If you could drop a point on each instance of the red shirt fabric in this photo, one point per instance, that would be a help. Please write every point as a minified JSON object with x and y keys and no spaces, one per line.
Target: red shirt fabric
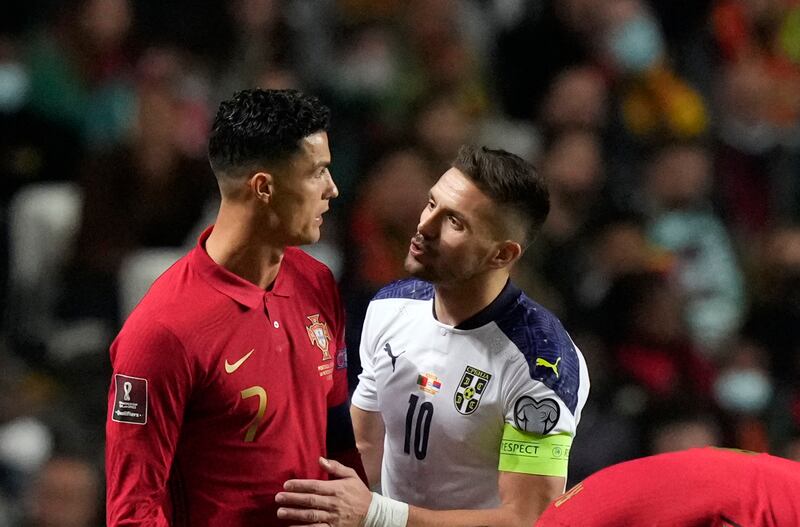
{"x":221,"y":392}
{"x":700,"y":487}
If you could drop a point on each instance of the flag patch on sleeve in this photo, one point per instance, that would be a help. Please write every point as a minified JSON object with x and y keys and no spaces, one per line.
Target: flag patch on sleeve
{"x":130,"y":400}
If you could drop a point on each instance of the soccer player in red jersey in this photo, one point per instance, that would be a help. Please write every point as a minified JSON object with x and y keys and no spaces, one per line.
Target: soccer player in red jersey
{"x":230,"y":376}
{"x":700,"y":487}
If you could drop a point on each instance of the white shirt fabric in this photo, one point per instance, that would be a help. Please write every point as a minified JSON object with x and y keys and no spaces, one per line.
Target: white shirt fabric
{"x":439,"y":454}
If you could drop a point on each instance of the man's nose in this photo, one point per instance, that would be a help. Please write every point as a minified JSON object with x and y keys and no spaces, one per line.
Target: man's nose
{"x":427,"y":225}
{"x":332,"y":190}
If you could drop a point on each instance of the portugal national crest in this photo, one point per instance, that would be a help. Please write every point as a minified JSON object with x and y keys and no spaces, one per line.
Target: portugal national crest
{"x":470,"y":389}
{"x":319,"y":335}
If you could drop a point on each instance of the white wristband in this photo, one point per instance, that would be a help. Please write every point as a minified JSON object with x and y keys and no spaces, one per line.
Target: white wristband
{"x":386,"y":512}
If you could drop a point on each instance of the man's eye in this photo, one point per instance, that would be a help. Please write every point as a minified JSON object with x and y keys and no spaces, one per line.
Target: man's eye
{"x":454,"y":222}
{"x":431,"y":204}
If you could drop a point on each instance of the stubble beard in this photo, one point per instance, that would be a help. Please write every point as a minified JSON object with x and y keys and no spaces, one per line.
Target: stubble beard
{"x":418,"y":270}
{"x":428,"y":273}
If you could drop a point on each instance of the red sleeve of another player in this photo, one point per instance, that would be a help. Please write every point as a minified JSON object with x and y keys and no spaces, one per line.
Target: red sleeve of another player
{"x":150,"y":384}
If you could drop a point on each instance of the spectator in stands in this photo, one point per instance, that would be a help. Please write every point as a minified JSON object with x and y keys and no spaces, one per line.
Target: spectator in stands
{"x":65,"y":493}
{"x":148,"y":192}
{"x":678,"y":186}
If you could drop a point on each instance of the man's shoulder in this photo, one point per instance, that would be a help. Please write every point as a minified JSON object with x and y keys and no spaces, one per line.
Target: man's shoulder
{"x":547,"y":348}
{"x":168,"y":286}
{"x":531,"y":324}
{"x":409,"y":289}
{"x":173,"y":299}
{"x":308,"y":267}
{"x":300,"y":258}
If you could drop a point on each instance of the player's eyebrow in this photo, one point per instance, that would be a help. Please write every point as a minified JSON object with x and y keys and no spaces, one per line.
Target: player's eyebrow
{"x":458,"y":215}
{"x":321,"y":164}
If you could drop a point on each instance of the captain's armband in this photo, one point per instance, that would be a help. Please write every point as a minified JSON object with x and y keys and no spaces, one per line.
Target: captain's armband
{"x":534,"y":454}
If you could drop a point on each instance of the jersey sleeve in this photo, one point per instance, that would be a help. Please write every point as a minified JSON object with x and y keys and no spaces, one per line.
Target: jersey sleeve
{"x":339,"y":393}
{"x":539,"y":425}
{"x":366,"y":393}
{"x":150,"y":385}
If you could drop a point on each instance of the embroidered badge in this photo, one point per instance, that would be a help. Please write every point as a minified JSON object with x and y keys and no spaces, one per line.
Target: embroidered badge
{"x":130,"y":400}
{"x":429,"y":383}
{"x":470,"y":389}
{"x":341,"y":359}
{"x":538,"y":417}
{"x":319,"y":335}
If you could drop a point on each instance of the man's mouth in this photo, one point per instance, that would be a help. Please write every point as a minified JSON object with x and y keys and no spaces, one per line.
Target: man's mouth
{"x":416,"y":248}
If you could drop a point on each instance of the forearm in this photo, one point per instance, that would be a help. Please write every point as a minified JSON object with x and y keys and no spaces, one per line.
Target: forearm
{"x":135,"y":492}
{"x":523,"y":500}
{"x":371,"y":457}
{"x":369,"y":432}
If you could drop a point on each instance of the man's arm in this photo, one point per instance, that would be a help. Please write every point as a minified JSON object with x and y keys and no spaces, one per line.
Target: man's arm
{"x":523,"y":498}
{"x":369,"y":430}
{"x":345,"y":502}
{"x":149,"y":387}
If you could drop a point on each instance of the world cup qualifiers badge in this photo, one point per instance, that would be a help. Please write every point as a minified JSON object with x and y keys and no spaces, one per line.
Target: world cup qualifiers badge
{"x":319,"y":335}
{"x":130,"y":400}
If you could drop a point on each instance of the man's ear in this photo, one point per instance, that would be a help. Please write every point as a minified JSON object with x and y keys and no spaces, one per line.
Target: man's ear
{"x":506,"y":254}
{"x":261,"y":185}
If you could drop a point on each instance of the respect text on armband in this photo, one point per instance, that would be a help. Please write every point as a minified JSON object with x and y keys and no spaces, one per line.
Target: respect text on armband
{"x":527,"y":449}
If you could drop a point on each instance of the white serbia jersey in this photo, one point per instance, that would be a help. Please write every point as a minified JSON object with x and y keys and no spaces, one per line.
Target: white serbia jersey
{"x":502,"y":391}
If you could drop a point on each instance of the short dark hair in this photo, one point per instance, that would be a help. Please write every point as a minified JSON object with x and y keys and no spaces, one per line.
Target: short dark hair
{"x":509,"y":181}
{"x":258,"y":126}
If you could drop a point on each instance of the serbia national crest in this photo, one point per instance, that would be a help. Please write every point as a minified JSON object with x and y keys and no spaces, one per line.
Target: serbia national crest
{"x":319,"y":335}
{"x":470,"y":389}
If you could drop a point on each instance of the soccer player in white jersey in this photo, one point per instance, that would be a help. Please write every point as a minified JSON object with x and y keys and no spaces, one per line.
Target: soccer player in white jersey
{"x":471,"y":392}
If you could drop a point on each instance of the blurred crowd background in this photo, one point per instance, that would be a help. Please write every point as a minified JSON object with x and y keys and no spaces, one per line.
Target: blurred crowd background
{"x":668,"y":132}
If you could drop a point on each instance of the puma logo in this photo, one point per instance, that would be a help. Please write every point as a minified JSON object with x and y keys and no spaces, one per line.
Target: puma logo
{"x":388,"y":350}
{"x":553,"y":366}
{"x":230,"y":368}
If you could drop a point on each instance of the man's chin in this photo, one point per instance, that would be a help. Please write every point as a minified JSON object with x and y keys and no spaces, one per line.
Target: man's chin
{"x":411,"y":265}
{"x":303,"y":239}
{"x":311,"y":237}
{"x":416,"y":269}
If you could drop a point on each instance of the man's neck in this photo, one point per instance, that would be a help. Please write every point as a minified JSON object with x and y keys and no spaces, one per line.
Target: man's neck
{"x":455,"y":303}
{"x":235,"y":244}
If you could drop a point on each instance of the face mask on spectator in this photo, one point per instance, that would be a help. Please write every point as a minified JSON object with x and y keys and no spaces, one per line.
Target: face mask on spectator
{"x":636,"y":45}
{"x":745,"y":391}
{"x":13,"y":87}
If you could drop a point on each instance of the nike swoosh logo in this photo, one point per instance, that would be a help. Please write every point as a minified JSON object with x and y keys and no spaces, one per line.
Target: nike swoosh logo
{"x":230,"y":368}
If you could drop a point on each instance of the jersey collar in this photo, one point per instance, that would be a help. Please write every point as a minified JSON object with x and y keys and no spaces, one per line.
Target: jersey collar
{"x":497,"y":308}
{"x":229,"y":284}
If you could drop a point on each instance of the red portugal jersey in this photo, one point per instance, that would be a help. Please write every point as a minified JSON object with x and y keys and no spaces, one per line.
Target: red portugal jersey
{"x":701,"y":487}
{"x":222,"y":391}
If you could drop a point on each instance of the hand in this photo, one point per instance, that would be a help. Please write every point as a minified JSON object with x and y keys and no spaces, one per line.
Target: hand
{"x":340,"y":502}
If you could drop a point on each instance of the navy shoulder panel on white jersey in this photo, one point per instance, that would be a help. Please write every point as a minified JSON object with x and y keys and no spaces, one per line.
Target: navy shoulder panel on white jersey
{"x":548,"y":349}
{"x":410,"y":288}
